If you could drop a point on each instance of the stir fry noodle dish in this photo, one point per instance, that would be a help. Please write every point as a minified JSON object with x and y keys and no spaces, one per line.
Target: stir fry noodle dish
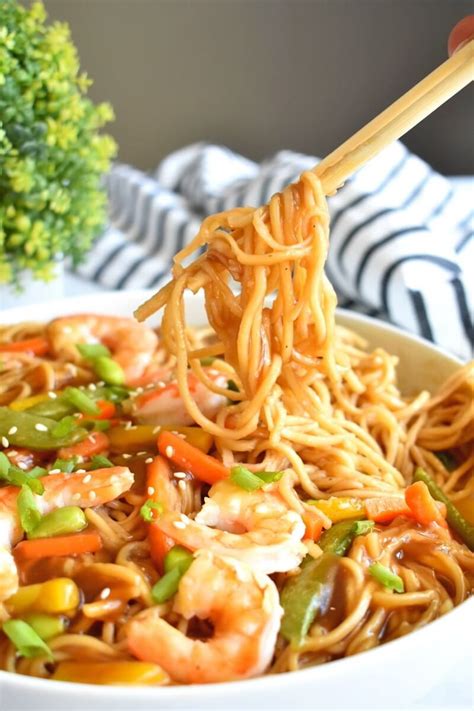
{"x":189,"y":505}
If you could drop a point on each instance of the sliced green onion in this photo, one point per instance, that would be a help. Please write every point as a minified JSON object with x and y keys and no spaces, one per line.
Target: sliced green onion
{"x":91,"y":351}
{"x":18,"y":477}
{"x":113,"y":393}
{"x":178,"y":557}
{"x":46,"y":626}
{"x":64,"y":427}
{"x":4,"y":465}
{"x":100,"y":462}
{"x":66,"y":466}
{"x":109,"y":370}
{"x":146,"y":510}
{"x":269,"y":477}
{"x":167,"y":586}
{"x":101,"y":425}
{"x":28,"y":512}
{"x":81,"y":401}
{"x":61,"y":522}
{"x":27,"y":642}
{"x":361,"y":528}
{"x":243,"y":477}
{"x":208,"y":360}
{"x":232,"y":385}
{"x":385,"y":577}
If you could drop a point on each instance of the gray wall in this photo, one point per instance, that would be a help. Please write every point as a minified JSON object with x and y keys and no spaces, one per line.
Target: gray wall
{"x":260,"y":75}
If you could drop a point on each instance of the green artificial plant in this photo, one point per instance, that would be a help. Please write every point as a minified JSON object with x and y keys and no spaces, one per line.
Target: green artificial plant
{"x":52,"y":155}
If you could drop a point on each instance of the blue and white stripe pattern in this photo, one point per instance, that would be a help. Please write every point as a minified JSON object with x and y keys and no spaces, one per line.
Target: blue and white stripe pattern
{"x":402,"y":244}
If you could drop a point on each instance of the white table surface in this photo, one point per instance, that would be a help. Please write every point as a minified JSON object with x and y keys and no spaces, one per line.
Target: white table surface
{"x":458,"y":692}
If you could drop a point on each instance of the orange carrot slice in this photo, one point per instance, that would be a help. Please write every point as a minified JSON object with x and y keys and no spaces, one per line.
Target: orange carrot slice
{"x":191,"y":459}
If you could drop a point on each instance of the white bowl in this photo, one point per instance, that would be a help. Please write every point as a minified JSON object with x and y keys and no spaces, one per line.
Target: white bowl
{"x":394,"y":675}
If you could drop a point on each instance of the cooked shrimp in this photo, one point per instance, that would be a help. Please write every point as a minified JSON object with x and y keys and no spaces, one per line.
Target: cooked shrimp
{"x":163,"y":405}
{"x":255,"y":527}
{"x":132,"y":344}
{"x":243,"y":607}
{"x":86,"y":489}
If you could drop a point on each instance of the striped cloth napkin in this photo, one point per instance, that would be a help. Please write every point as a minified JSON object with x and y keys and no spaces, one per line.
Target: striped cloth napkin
{"x":401,"y":249}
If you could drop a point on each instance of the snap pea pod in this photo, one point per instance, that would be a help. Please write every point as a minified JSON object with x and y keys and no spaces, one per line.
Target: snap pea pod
{"x":23,"y":429}
{"x":456,"y":520}
{"x":307,"y":594}
{"x":54,"y":409}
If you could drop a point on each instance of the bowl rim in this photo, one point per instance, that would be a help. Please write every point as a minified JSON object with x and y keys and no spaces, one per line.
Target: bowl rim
{"x":271,"y":681}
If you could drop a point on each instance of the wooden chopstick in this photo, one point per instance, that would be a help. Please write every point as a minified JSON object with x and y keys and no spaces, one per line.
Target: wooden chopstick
{"x":411,"y":108}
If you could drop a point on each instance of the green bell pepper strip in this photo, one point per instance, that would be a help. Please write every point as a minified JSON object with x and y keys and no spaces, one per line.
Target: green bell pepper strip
{"x":307,"y":594}
{"x":338,"y":539}
{"x":29,"y":436}
{"x":456,"y":520}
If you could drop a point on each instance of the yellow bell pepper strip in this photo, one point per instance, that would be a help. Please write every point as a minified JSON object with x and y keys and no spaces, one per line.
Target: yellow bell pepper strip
{"x":111,"y":673}
{"x":27,"y":402}
{"x":46,"y":626}
{"x":454,"y":517}
{"x":22,"y":429}
{"x":143,"y":437}
{"x":340,"y":508}
{"x":59,"y":596}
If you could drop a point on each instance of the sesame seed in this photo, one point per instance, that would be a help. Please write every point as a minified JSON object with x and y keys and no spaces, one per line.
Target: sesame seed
{"x":149,"y":460}
{"x":22,"y":465}
{"x":55,"y":471}
{"x":52,"y":395}
{"x":126,"y":456}
{"x":80,"y":471}
{"x":5,"y":442}
{"x":92,"y":387}
{"x":179,"y":524}
{"x":87,"y":479}
{"x":141,"y":454}
{"x":100,"y":384}
{"x":67,"y":329}
{"x":105,"y":593}
{"x":161,"y":384}
{"x":157,"y":429}
{"x":128,"y":424}
{"x":139,"y":390}
{"x":13,"y":452}
{"x":150,"y":490}
{"x":169,"y":451}
{"x":40,"y":427}
{"x":76,"y":496}
{"x":13,"y":430}
{"x":180,"y":475}
{"x":182,"y":485}
{"x":183,"y":518}
{"x":92,"y":495}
